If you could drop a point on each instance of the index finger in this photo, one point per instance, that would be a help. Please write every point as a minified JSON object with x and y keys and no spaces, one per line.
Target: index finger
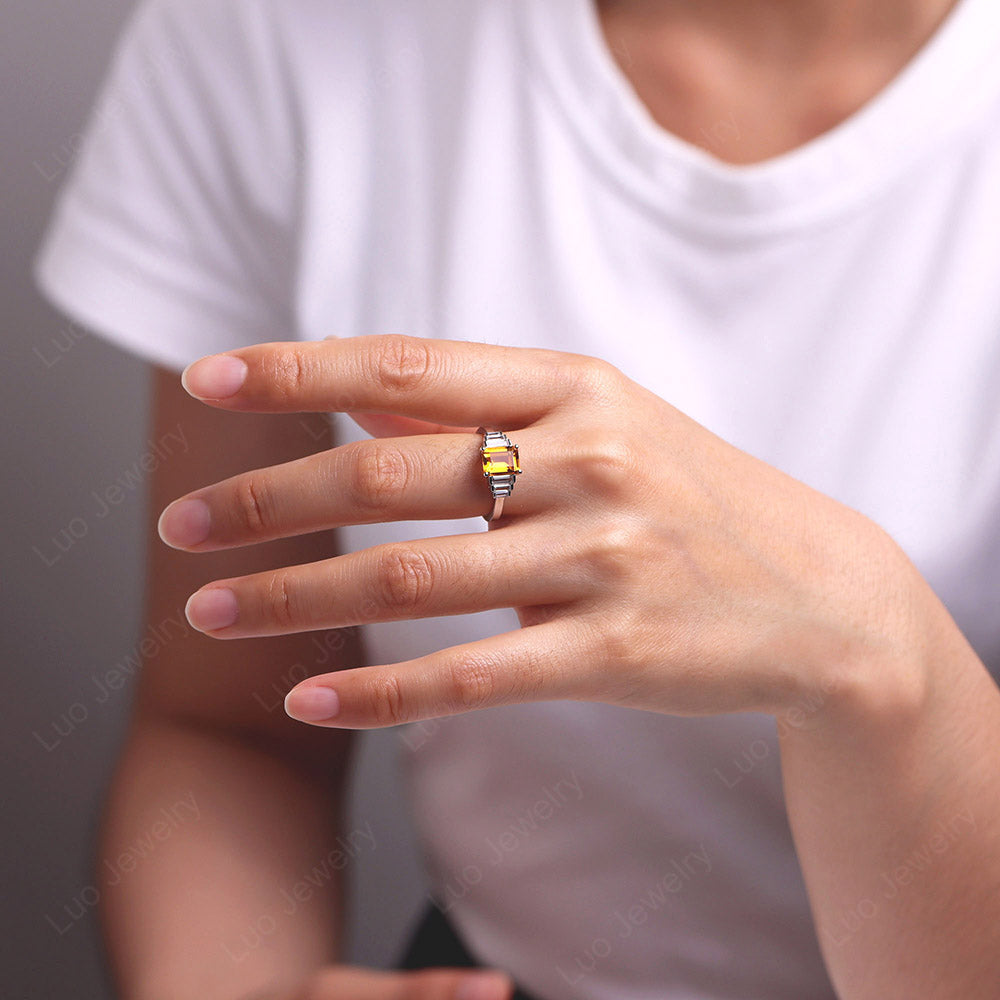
{"x":452,"y":381}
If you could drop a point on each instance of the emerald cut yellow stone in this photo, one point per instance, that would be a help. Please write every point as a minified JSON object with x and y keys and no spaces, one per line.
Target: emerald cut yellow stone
{"x":500,"y":460}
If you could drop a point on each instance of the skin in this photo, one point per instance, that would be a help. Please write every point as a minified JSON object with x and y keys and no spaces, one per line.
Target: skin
{"x":751,"y":79}
{"x":887,"y":720}
{"x":652,"y":539}
{"x":655,"y":567}
{"x":207,"y":729}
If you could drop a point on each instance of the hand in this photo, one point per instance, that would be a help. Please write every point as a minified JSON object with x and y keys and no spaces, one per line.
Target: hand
{"x":348,"y":982}
{"x":650,"y":563}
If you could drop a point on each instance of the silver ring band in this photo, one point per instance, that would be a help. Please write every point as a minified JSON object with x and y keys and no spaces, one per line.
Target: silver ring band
{"x":497,"y":509}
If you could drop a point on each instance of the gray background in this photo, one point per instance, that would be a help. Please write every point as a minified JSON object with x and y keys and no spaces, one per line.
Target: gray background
{"x":73,"y":411}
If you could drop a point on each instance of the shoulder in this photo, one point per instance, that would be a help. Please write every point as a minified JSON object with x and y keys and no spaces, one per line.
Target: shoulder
{"x":279,"y":54}
{"x":203,"y":24}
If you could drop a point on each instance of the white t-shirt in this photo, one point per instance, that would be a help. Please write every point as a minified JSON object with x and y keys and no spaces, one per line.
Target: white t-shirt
{"x":480,"y":169}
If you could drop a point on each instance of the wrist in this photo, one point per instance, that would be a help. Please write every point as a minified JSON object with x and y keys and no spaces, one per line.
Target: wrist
{"x":874,"y":667}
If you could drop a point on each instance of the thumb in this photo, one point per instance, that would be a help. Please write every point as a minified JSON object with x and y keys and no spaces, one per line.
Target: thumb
{"x":351,"y":982}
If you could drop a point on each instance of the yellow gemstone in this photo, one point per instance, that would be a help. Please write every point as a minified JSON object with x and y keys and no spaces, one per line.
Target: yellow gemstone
{"x":500,"y":460}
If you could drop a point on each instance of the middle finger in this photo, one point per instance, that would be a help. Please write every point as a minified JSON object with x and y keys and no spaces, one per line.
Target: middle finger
{"x":449,"y":575}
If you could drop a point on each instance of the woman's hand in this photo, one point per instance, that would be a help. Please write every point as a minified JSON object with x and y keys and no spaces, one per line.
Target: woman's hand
{"x":355,"y":982}
{"x":650,"y":563}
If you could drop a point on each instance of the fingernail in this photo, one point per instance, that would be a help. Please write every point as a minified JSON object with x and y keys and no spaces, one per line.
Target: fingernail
{"x":312,"y":703}
{"x":483,"y":986}
{"x":217,"y":377}
{"x":208,"y":610}
{"x":185,"y":523}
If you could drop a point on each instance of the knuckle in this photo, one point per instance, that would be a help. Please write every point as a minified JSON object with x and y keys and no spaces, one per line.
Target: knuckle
{"x":399,"y":363}
{"x":596,"y":379}
{"x":288,"y":374}
{"x":405,"y":578}
{"x":607,"y":463}
{"x":616,"y":639}
{"x":472,"y":682}
{"x":254,"y":506}
{"x":381,"y":476}
{"x":283,"y":601}
{"x":614,"y":552}
{"x":618,"y":665}
{"x":388,"y":704}
{"x":478,"y":680}
{"x":529,"y":677}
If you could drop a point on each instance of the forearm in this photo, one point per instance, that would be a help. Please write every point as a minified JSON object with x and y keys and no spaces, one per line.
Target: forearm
{"x":895,"y":811}
{"x":216,"y":868}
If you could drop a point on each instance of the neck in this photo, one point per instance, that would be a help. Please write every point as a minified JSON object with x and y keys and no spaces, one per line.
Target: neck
{"x":781,"y":71}
{"x":795,"y":26}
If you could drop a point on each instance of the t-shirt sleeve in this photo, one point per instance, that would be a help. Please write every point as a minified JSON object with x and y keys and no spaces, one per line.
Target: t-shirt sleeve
{"x":173,"y":235}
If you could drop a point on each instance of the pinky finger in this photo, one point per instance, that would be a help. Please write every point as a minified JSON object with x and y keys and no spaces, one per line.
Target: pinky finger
{"x":536,"y":663}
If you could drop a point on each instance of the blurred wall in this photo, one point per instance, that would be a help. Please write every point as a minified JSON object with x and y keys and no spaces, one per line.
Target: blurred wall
{"x":73,"y":412}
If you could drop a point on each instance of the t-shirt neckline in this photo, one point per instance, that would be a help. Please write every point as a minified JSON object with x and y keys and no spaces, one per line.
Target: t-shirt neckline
{"x":926,"y":100}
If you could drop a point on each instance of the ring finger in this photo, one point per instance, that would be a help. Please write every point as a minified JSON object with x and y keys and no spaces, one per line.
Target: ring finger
{"x":422,"y":477}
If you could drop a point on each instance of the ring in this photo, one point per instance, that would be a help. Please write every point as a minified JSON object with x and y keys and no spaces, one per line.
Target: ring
{"x":500,"y":466}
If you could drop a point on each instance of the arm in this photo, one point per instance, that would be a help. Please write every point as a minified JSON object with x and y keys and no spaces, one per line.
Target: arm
{"x":651,"y":565}
{"x":894,"y":804}
{"x":233,"y":801}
